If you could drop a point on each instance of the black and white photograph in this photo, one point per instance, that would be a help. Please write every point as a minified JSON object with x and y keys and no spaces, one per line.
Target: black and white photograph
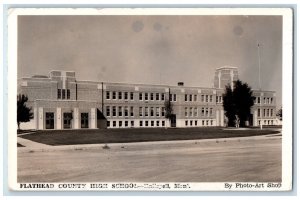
{"x":150,"y":99}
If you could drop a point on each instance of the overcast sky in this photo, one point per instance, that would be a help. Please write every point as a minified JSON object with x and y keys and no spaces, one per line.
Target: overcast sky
{"x":153,"y":49}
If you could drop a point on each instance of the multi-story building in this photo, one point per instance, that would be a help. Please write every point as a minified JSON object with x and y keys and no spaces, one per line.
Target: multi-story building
{"x":59,"y":101}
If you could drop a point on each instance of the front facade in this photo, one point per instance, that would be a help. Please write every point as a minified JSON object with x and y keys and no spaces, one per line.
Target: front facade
{"x":59,"y":101}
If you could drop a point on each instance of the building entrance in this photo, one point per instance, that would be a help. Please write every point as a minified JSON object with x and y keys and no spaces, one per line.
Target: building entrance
{"x":84,"y":120}
{"x":49,"y":120}
{"x":173,"y":120}
{"x":67,"y":120}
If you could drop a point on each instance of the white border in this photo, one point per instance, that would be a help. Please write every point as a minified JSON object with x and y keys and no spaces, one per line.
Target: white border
{"x":286,"y":87}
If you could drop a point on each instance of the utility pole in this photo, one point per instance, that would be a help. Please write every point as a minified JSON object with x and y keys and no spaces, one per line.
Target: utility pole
{"x":259,"y":81}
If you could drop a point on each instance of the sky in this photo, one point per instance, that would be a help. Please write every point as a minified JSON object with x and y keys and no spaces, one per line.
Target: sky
{"x":153,"y":49}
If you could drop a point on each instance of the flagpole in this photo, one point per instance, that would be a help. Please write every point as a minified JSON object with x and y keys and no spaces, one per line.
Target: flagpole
{"x":259,"y":81}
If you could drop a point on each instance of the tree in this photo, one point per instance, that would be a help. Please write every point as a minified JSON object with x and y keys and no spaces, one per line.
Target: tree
{"x":24,"y":113}
{"x":168,"y":110}
{"x":279,"y":114}
{"x":238,"y":102}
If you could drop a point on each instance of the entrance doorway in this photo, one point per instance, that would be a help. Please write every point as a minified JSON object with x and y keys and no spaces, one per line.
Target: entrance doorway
{"x":173,"y":120}
{"x":67,"y":120}
{"x":84,"y":120}
{"x":49,"y":120}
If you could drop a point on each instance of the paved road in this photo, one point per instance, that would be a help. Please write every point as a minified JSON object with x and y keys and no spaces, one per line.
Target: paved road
{"x":251,"y":159}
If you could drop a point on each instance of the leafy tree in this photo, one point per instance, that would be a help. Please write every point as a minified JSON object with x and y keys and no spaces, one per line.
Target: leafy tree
{"x":238,"y":102}
{"x":168,"y":109}
{"x":279,"y":114}
{"x":24,"y":113}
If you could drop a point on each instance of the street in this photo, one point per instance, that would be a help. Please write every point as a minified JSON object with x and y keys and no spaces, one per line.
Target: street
{"x":251,"y":159}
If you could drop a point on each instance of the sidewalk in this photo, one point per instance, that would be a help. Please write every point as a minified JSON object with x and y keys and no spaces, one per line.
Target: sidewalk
{"x":34,"y":146}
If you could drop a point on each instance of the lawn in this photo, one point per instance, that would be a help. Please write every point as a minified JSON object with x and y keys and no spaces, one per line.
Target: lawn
{"x":97,"y":136}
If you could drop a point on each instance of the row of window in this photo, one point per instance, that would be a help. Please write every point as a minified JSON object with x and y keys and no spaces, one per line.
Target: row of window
{"x":266,"y":122}
{"x":152,"y":96}
{"x":67,"y":117}
{"x":119,"y":111}
{"x":265,"y":100}
{"x":195,"y":122}
{"x":266,"y":112}
{"x":190,"y":112}
{"x":146,"y":123}
{"x":63,"y":94}
{"x":121,"y":95}
{"x":194,"y":97}
{"x":219,"y":99}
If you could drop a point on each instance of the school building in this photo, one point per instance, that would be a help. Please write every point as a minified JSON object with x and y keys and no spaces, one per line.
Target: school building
{"x":60,"y":101}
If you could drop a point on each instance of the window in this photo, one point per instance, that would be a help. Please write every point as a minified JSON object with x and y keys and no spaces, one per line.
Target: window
{"x":131,"y":95}
{"x":170,"y":97}
{"x":210,"y":111}
{"x":120,"y":111}
{"x":191,"y":123}
{"x":163,"y":111}
{"x":146,"y":123}
{"x":126,"y":95}
{"x":185,"y":97}
{"x":271,"y":112}
{"x":151,"y":97}
{"x":210,"y":98}
{"x":107,"y":111}
{"x":120,"y":123}
{"x":186,"y":123}
{"x":126,"y":123}
{"x":264,"y":112}
{"x":151,"y":111}
{"x":186,"y":111}
{"x":68,"y":94}
{"x":268,"y":112}
{"x":152,"y":123}
{"x":120,"y":95}
{"x":59,"y":93}
{"x":211,"y":122}
{"x":157,"y":96}
{"x":107,"y":95}
{"x":191,"y":97}
{"x":146,"y":96}
{"x":258,"y":112}
{"x":141,"y":123}
{"x":126,"y":111}
{"x":271,"y":101}
{"x":202,"y":98}
{"x":157,"y":123}
{"x":206,"y":111}
{"x":114,"y":123}
{"x":114,"y":111}
{"x":196,"y":122}
{"x":141,"y":111}
{"x":157,"y":111}
{"x":162,"y":96}
{"x":146,"y":111}
{"x":203,"y":122}
{"x":195,"y":97}
{"x":202,"y":111}
{"x":206,"y":98}
{"x":141,"y":96}
{"x":217,"y":99}
{"x":131,"y":111}
{"x":63,"y":93}
{"x":174,"y":97}
{"x":191,"y":111}
{"x":108,"y":124}
{"x":195,"y":112}
{"x":113,"y":95}
{"x":84,"y":120}
{"x":207,"y":121}
{"x":264,"y":100}
{"x":163,"y":123}
{"x":258,"y":99}
{"x":132,"y":123}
